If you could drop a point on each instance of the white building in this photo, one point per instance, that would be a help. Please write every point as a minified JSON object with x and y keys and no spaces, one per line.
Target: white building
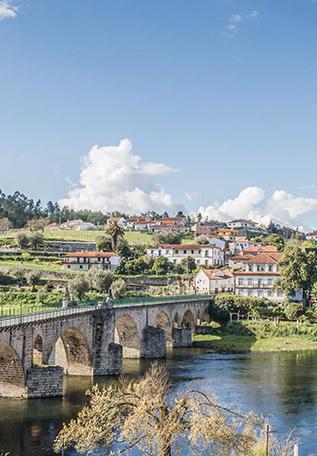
{"x":239,"y":244}
{"x":204,"y":255}
{"x":83,"y":261}
{"x":312,"y":236}
{"x":210,"y":281}
{"x":217,"y":242}
{"x":77,"y":225}
{"x":257,"y":277}
{"x":241,"y":224}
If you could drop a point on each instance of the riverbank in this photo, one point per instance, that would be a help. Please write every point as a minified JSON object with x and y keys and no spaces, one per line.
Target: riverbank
{"x":247,"y":337}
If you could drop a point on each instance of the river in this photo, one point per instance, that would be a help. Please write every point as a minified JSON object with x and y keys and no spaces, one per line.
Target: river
{"x":282,"y":385}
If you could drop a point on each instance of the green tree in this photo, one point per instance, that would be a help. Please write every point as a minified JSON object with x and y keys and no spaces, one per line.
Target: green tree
{"x":104,"y":244}
{"x":161,"y":266}
{"x":37,"y":224}
{"x":293,"y":310}
{"x":188,"y":264}
{"x":116,"y":233}
{"x":138,"y":250}
{"x":123,"y":249}
{"x":118,"y":289}
{"x":202,"y":240}
{"x":136,"y":266}
{"x":278,"y":241}
{"x":36,"y":240}
{"x":298,"y":271}
{"x":19,"y":274}
{"x":99,"y":279}
{"x":168,"y":238}
{"x":5,"y":224}
{"x":22,"y":240}
{"x":78,"y":288}
{"x":33,"y":278}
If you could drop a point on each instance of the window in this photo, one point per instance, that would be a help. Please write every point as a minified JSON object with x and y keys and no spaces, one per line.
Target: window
{"x":176,"y":251}
{"x":185,"y":251}
{"x":193,"y":252}
{"x":81,"y":266}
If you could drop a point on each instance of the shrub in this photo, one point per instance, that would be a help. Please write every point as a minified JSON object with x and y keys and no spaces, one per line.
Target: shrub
{"x":293,"y":310}
{"x":118,"y":289}
{"x":99,"y":279}
{"x":78,"y":287}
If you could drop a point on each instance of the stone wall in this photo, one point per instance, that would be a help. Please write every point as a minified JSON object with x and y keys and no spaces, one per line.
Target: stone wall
{"x":107,"y":356}
{"x":44,"y":382}
{"x":153,"y":343}
{"x":203,"y":329}
{"x":182,"y":337}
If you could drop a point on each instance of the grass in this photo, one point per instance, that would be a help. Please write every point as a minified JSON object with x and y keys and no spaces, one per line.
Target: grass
{"x":133,"y":237}
{"x":223,"y":341}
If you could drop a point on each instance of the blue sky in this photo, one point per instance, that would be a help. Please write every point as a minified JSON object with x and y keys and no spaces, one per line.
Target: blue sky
{"x":222,"y":92}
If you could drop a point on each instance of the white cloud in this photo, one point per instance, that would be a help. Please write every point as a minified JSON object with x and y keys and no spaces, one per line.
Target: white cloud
{"x":190,"y":196}
{"x":231,"y":27}
{"x":7,"y":10}
{"x":235,"y":18}
{"x":281,"y":207}
{"x":114,"y":178}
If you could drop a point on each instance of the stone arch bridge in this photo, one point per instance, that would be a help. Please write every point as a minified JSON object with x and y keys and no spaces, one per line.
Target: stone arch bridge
{"x":36,"y":351}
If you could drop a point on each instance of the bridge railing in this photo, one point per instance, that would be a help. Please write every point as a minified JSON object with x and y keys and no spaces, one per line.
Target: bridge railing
{"x":34,"y":317}
{"x":11,"y":315}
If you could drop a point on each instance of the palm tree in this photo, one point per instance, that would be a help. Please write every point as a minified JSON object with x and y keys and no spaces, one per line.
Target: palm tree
{"x":116,"y":233}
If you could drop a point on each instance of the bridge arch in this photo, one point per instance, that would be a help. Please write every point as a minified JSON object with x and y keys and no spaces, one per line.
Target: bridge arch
{"x":127,"y":335}
{"x":162,"y":321}
{"x":37,"y":358}
{"x":188,"y":320}
{"x":12,"y":379}
{"x":71,"y":351}
{"x":176,"y":320}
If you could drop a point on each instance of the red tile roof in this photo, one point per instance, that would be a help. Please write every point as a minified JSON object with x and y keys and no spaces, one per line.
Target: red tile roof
{"x":260,"y":248}
{"x":184,"y":246}
{"x":213,"y":274}
{"x":264,"y":273}
{"x":91,"y":254}
{"x":264,"y":258}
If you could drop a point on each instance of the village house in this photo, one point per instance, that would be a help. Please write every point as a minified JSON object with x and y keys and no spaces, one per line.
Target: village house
{"x":238,"y":244}
{"x":204,"y":255}
{"x":237,"y":261}
{"x":241,"y":224}
{"x":203,"y":229}
{"x":77,"y":225}
{"x":213,"y":281}
{"x":227,"y":234}
{"x":257,"y":276}
{"x":217,"y":242}
{"x":172,"y":224}
{"x":83,"y":261}
{"x":312,"y":236}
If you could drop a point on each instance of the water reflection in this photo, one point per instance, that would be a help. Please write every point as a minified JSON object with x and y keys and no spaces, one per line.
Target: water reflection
{"x":280,"y":384}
